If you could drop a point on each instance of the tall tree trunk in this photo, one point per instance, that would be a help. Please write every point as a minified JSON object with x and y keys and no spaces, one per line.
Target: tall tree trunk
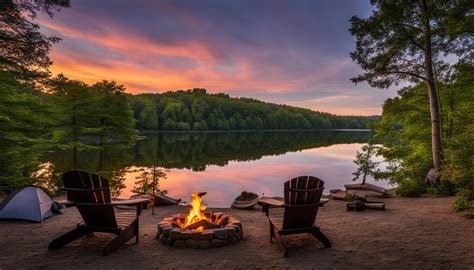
{"x":101,"y":145}
{"x":434,"y":106}
{"x":74,"y":132}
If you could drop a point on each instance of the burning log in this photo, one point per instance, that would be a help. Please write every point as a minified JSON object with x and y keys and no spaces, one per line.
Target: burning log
{"x":202,"y":223}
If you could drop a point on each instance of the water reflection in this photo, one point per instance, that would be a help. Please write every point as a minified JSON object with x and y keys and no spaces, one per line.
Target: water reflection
{"x":223,"y":164}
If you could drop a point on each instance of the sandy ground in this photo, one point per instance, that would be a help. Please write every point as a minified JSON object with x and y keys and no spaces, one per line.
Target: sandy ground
{"x":414,"y":233}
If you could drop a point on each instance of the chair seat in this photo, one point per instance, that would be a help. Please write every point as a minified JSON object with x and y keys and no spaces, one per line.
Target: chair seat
{"x":275,"y":215}
{"x":124,"y":219}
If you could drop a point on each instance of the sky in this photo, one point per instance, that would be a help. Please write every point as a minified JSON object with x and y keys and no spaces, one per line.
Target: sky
{"x":287,"y":52}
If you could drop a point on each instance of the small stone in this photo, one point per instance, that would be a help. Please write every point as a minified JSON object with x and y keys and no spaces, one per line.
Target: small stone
{"x":166,"y":231}
{"x":185,"y":235}
{"x":233,"y":240}
{"x":170,"y":242}
{"x":231,"y":231}
{"x":207,"y":235}
{"x":217,"y":243}
{"x":195,"y":235}
{"x":221,"y":234}
{"x":179,"y":244}
{"x":175,"y":234}
{"x":163,"y":239}
{"x":205,"y":244}
{"x":191,"y":243}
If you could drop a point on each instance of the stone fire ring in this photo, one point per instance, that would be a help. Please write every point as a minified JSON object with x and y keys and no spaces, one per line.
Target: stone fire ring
{"x":172,"y":235}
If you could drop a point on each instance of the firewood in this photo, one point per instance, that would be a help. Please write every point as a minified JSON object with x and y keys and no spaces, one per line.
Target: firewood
{"x":204,"y":223}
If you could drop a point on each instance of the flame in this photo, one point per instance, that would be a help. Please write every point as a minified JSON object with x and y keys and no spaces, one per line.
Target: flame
{"x":196,"y":213}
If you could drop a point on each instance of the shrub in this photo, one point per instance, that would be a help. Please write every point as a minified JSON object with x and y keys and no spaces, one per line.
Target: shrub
{"x":411,"y":188}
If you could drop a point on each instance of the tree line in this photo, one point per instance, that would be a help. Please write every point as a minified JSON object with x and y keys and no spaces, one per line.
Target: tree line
{"x":198,"y":110}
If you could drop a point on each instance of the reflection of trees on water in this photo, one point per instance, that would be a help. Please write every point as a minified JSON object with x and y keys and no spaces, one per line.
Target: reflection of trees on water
{"x":197,"y":150}
{"x":112,"y":161}
{"x":190,"y":150}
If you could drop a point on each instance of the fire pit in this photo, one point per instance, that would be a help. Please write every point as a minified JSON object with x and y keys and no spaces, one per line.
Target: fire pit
{"x":199,"y":229}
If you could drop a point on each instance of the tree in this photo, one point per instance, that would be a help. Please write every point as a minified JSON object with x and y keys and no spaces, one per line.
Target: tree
{"x":24,"y":50}
{"x":116,"y":116}
{"x":366,"y":166}
{"x":148,"y":118}
{"x":76,"y":114}
{"x":24,"y":119}
{"x":145,"y":185}
{"x":402,"y":41}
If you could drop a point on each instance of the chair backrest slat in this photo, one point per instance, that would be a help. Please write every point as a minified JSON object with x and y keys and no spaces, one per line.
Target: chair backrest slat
{"x":85,"y":187}
{"x":302,"y":194}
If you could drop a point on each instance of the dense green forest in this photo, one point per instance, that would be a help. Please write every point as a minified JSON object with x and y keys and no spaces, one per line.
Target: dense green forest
{"x":426,"y":131}
{"x":198,"y":110}
{"x":405,"y":133}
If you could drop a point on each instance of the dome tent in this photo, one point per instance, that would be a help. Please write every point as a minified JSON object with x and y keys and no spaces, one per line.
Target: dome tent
{"x":27,"y":203}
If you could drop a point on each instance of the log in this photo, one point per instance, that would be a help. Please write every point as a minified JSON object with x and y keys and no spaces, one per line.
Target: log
{"x":375,"y":205}
{"x":206,"y":224}
{"x":369,"y":187}
{"x":360,"y":206}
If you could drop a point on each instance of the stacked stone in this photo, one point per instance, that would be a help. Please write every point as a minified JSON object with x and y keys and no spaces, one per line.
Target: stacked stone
{"x":172,"y":235}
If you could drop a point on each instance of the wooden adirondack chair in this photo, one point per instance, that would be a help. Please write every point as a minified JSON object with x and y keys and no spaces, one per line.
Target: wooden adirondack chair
{"x":91,"y":195}
{"x":298,"y":213}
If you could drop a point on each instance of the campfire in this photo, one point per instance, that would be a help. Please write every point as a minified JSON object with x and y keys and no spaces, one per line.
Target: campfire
{"x":197,"y":219}
{"x":199,"y":229}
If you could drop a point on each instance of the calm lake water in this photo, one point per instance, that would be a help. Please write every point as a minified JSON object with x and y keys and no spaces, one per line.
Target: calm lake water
{"x":223,"y":164}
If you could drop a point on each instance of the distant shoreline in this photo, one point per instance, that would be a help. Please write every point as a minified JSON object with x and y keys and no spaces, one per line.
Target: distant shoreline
{"x":144,"y":132}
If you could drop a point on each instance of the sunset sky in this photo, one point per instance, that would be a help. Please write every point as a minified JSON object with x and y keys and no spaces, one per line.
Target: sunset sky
{"x":291,"y":52}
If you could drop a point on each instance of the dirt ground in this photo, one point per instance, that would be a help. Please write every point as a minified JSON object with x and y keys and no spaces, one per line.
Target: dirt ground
{"x":413,"y":233}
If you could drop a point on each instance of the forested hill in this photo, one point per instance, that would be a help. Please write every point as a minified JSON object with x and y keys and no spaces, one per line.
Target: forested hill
{"x":198,"y":110}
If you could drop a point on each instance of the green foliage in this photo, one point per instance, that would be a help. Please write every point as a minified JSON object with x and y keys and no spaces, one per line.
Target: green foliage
{"x":24,"y":121}
{"x":391,"y":45}
{"x":404,"y":131}
{"x":24,"y":49}
{"x":411,"y":188}
{"x":365,"y":164}
{"x":202,"y":111}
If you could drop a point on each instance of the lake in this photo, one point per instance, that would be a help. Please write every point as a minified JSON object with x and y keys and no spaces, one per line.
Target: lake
{"x":222,"y":164}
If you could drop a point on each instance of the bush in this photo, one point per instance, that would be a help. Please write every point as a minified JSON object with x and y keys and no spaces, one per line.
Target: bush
{"x":465,"y":202}
{"x":446,"y":188}
{"x":411,"y":188}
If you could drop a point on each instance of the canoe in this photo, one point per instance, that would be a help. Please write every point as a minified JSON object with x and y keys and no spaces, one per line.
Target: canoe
{"x":278,"y":201}
{"x":246,"y":200}
{"x":164,"y":200}
{"x":368,"y":187}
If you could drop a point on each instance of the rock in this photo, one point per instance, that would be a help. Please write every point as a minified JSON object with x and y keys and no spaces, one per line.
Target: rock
{"x":170,"y":242}
{"x":166,"y":231}
{"x":179,"y":244}
{"x":231,"y":231}
{"x":185,"y":235}
{"x":175,"y":234}
{"x":207,"y":235}
{"x":191,"y":243}
{"x":195,"y":235}
{"x":433,"y":177}
{"x":163,"y":239}
{"x":221,"y":234}
{"x":205,"y":244}
{"x":233,"y":239}
{"x":217,"y":243}
{"x":237,"y":229}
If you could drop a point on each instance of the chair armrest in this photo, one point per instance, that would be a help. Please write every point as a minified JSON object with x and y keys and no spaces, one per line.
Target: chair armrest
{"x":124,"y":202}
{"x":130,"y":202}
